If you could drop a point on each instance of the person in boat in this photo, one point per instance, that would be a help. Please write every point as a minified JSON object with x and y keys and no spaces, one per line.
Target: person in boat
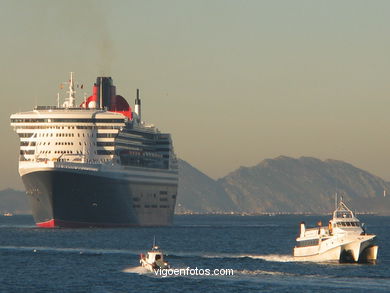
{"x":330,"y":228}
{"x":159,"y":262}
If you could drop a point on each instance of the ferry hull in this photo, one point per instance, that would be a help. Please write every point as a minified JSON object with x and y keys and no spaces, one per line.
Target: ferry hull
{"x":73,"y":199}
{"x":363,"y":251}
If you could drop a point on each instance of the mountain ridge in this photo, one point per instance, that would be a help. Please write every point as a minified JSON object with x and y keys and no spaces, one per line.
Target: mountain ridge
{"x":280,"y":185}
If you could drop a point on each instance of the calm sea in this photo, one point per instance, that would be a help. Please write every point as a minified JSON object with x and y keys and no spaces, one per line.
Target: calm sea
{"x":257,"y":248}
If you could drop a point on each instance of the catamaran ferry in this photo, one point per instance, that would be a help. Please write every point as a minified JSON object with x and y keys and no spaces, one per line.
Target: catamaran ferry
{"x":96,"y":164}
{"x":344,"y":240}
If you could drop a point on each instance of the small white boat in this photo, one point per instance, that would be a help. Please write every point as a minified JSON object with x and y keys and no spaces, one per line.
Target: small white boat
{"x":154,"y":259}
{"x":343,"y":240}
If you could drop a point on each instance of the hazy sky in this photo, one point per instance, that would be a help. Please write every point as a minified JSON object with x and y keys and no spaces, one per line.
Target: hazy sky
{"x":235,"y":82}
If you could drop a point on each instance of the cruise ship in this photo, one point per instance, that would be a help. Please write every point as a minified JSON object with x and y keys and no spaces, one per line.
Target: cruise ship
{"x":343,"y":240}
{"x":97,"y":164}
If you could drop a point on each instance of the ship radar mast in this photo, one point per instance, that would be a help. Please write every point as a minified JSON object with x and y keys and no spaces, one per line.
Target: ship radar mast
{"x":70,"y":102}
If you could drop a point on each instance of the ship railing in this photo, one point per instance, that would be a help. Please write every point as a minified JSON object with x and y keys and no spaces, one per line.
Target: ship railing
{"x":64,"y":108}
{"x":320,"y":230}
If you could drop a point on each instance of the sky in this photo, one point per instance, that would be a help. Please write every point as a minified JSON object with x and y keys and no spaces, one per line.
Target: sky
{"x":234,"y":82}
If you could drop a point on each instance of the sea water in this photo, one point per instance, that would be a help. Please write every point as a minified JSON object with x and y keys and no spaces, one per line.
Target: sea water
{"x":258,"y":249}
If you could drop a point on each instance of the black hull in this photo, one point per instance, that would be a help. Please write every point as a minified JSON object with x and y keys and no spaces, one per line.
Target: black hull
{"x":72,"y":199}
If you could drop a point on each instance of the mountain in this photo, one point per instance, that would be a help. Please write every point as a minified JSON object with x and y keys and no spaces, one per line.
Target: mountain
{"x":306,"y":184}
{"x":14,"y":201}
{"x":198,"y":193}
{"x":282,"y":184}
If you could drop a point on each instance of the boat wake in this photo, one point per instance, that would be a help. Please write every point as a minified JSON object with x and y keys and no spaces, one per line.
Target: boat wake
{"x":137,"y":270}
{"x":262,"y":273}
{"x":273,"y":257}
{"x":266,"y":257}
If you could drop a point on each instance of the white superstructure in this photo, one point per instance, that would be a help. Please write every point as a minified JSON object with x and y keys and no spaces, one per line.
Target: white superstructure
{"x":344,"y":239}
{"x":101,"y":142}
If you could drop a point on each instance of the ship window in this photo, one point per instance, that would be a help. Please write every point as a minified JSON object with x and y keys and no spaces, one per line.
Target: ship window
{"x":311,"y":242}
{"x":27,"y":152}
{"x":105,"y":143}
{"x":25,"y":134}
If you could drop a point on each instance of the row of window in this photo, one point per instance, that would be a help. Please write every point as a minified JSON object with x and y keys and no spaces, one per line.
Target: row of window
{"x":27,"y":152}
{"x":68,"y":120}
{"x":63,"y":143}
{"x":343,"y":214}
{"x":150,"y":206}
{"x":68,"y":134}
{"x":105,"y":143}
{"x":348,"y":224}
{"x":311,"y":242}
{"x":27,"y":143}
{"x":161,"y":199}
{"x":126,"y":153}
{"x":98,"y":152}
{"x":66,"y":127}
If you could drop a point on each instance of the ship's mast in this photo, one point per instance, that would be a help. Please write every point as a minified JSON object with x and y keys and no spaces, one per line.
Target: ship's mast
{"x":71,"y":92}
